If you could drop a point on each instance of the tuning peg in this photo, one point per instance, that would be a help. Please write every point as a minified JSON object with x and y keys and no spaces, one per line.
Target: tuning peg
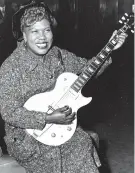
{"x":132,"y":31}
{"x":126,"y":14}
{"x":120,"y":21}
{"x":123,"y":18}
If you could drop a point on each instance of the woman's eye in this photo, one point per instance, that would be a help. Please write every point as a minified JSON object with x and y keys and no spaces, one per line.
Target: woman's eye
{"x":48,"y":30}
{"x":34,"y":31}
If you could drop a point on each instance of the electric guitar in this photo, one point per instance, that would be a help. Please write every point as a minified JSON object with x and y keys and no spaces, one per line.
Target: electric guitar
{"x":67,"y":91}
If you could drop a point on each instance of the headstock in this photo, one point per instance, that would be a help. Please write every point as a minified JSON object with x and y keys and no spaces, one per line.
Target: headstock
{"x":128,"y":21}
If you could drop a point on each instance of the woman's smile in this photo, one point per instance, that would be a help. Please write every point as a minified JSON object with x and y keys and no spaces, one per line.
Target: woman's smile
{"x":39,"y":37}
{"x":42,"y":45}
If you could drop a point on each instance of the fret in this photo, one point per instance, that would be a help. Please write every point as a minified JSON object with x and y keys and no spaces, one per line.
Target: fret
{"x":85,"y":73}
{"x":99,"y":58}
{"x":110,"y":45}
{"x":102,"y":55}
{"x":97,"y":61}
{"x":78,"y":83}
{"x":85,"y":76}
{"x":107,"y":49}
{"x":113,"y":42}
{"x":94,"y":65}
{"x":88,"y":73}
{"x":104,"y":52}
{"x":83,"y":80}
{"x":75,"y":88}
{"x":90,"y":69}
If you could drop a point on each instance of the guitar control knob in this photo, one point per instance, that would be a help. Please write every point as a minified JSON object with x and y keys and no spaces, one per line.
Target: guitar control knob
{"x":53,"y":135}
{"x":69,"y":128}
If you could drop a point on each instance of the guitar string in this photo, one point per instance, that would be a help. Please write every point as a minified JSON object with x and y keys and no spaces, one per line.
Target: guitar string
{"x":61,"y":99}
{"x":67,"y":93}
{"x":58,"y":102}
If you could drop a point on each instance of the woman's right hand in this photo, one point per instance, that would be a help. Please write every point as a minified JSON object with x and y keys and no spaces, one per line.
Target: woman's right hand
{"x":62,"y":115}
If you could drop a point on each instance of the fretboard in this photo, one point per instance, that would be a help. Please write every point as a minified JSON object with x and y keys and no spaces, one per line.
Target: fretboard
{"x":93,"y":67}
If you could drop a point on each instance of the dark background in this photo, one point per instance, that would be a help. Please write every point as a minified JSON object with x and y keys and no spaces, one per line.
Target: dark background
{"x":84,"y":28}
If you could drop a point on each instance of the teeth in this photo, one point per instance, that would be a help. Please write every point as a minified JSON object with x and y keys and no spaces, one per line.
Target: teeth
{"x":42,"y":45}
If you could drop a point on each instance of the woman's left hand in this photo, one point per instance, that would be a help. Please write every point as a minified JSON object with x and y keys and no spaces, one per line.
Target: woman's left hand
{"x":121,"y":39}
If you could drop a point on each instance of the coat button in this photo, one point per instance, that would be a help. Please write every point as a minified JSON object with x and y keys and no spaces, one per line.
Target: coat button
{"x":50,"y":76}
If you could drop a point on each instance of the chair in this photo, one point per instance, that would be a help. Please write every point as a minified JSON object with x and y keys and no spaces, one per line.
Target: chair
{"x":9,"y":165}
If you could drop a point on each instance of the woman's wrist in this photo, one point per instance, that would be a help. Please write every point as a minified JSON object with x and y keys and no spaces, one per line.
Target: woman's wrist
{"x":47,"y":118}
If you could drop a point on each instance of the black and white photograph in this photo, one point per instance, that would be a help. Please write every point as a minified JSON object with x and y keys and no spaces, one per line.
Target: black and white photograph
{"x":67,"y":86}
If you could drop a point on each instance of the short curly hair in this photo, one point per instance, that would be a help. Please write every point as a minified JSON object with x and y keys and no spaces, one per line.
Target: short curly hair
{"x":35,"y":14}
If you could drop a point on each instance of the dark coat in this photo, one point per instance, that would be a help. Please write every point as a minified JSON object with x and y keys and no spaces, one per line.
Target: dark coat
{"x":23,"y":75}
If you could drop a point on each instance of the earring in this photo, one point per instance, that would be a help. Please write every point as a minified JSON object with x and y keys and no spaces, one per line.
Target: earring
{"x":25,"y":43}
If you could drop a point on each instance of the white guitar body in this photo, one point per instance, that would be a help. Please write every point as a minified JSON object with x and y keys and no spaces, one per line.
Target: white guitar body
{"x":55,"y":134}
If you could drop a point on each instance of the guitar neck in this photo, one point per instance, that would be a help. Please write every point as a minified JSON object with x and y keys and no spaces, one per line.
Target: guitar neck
{"x":98,"y":61}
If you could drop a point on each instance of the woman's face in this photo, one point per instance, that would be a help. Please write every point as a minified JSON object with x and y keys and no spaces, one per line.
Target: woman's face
{"x":38,"y":37}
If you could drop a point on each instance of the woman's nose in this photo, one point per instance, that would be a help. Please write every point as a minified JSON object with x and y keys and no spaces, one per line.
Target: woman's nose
{"x":42,"y":34}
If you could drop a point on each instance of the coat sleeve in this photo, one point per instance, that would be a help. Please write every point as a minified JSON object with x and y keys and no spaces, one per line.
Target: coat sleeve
{"x":11,"y":101}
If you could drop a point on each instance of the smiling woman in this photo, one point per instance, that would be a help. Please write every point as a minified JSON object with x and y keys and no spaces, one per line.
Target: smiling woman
{"x":33,"y":68}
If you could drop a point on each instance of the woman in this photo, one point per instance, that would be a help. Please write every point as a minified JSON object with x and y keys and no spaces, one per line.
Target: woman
{"x":33,"y":68}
